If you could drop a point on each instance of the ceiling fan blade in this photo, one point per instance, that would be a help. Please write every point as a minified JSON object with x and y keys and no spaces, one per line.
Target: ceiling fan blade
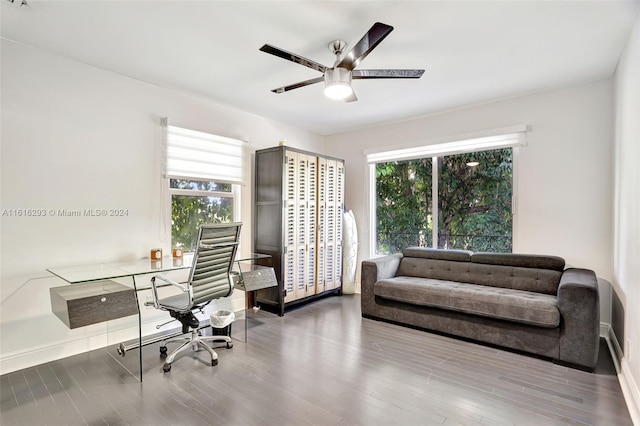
{"x":360,"y":74}
{"x":298,"y":85}
{"x":371,"y":39}
{"x":267,"y":48}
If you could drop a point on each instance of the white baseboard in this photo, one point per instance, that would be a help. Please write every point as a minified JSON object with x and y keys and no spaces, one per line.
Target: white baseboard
{"x":631,"y":392}
{"x":35,"y":356}
{"x":614,"y":347}
{"x":630,"y":389}
{"x":604,"y":329}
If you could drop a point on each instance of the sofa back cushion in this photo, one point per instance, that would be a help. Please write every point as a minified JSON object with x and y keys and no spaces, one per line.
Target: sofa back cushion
{"x":439,"y":254}
{"x":554,"y":263}
{"x":515,"y":271}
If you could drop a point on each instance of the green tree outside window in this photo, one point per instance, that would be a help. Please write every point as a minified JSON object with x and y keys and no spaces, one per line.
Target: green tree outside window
{"x":189,"y":211}
{"x":474,"y":202}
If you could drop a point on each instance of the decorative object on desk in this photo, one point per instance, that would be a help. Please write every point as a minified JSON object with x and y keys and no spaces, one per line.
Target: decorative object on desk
{"x":350,"y":253}
{"x":209,"y":279}
{"x":177,"y":252}
{"x":156,"y":254}
{"x":92,"y":303}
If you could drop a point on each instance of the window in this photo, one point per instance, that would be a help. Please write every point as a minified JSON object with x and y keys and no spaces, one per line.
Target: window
{"x":194,"y":203}
{"x":404,"y":215}
{"x":475,"y":201}
{"x":446,"y":198}
{"x":204,"y":172}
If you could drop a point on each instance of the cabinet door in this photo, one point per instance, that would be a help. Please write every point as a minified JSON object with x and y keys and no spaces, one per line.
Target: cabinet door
{"x":330,"y":227}
{"x":312,"y":215}
{"x":321,"y":246}
{"x":289,"y":203}
{"x":339,"y":200}
{"x":301,"y":226}
{"x":306,"y":193}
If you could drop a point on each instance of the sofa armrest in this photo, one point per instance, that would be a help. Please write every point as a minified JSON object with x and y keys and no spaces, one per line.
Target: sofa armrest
{"x":374,"y":270}
{"x":579,"y":305}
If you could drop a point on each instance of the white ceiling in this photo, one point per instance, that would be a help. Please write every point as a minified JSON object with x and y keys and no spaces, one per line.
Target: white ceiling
{"x":473,"y":52}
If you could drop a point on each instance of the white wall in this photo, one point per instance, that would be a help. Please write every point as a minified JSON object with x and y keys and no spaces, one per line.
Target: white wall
{"x":76,"y":137}
{"x":626,"y":215}
{"x":563,"y":176}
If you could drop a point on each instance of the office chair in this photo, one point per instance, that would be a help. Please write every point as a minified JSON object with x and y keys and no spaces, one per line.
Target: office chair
{"x":210,"y":278}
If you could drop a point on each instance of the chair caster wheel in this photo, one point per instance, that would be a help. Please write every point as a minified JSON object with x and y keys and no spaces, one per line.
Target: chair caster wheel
{"x":121,"y":350}
{"x":214,"y":362}
{"x":166,"y":367}
{"x":163,"y":350}
{"x":229,"y":345}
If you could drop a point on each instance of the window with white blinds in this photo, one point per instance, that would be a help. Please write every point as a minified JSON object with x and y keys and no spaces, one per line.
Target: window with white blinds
{"x":204,"y":173}
{"x":198,"y":155}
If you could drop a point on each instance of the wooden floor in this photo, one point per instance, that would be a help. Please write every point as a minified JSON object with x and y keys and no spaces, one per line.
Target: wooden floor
{"x":321,"y":364}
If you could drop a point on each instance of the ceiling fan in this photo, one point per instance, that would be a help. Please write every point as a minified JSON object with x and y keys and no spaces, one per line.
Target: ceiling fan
{"x":337,"y":79}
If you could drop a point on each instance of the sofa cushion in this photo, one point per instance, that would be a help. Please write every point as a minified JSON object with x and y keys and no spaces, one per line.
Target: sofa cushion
{"x":513,"y":305}
{"x":516,"y":278}
{"x":520,"y":260}
{"x":439,"y":254}
{"x":434,"y":268}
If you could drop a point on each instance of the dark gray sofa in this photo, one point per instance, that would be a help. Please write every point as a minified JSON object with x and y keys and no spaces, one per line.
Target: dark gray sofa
{"x":529,"y":303}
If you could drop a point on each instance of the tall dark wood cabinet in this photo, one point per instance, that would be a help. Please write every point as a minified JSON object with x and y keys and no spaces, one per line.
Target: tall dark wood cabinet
{"x":299,"y":200}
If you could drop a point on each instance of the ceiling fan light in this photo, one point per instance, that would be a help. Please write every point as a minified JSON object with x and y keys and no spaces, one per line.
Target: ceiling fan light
{"x":337,"y":83}
{"x":338,"y":91}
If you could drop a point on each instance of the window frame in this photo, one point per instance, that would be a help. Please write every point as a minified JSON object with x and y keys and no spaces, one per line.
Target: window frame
{"x":513,"y":137}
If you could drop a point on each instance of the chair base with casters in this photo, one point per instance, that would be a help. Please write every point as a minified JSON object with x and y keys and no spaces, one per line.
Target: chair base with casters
{"x":195,"y":341}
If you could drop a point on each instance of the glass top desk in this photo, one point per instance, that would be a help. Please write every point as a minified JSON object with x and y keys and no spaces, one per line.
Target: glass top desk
{"x":248,"y":277}
{"x":124,"y":269}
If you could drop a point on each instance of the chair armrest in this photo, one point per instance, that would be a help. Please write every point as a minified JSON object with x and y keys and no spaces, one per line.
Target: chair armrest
{"x":236,"y":279}
{"x":374,"y":270}
{"x":154,"y":289}
{"x":579,"y":305}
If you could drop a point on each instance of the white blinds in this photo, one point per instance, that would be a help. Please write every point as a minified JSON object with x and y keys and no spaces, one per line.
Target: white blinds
{"x":496,"y":141}
{"x":197,"y":155}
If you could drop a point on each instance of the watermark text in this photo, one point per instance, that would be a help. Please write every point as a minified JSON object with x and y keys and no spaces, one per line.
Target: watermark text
{"x":58,"y":212}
